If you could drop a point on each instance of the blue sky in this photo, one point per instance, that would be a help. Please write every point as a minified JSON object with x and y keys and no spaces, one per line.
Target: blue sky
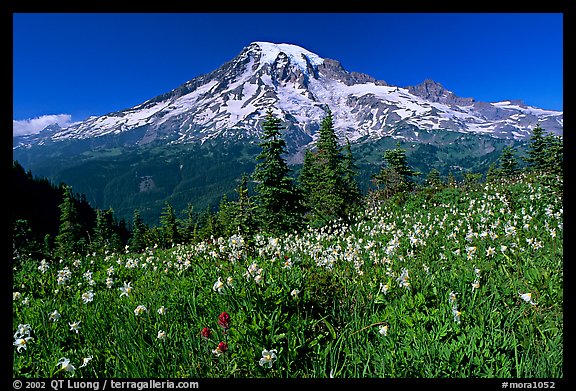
{"x":73,"y":65}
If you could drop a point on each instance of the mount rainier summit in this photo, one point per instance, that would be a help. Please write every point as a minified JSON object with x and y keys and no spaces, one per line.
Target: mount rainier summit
{"x":299,"y":87}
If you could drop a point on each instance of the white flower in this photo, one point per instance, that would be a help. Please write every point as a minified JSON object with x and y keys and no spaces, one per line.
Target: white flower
{"x":20,"y":343}
{"x":527,"y":297}
{"x":384,"y":288}
{"x":162,"y":310}
{"x":85,"y":361}
{"x":65,"y":365}
{"x":43,"y":266}
{"x":126,"y":289}
{"x":74,"y":326}
{"x":383,"y":329}
{"x":258,"y":279}
{"x":456,"y":314}
{"x":87,"y":297}
{"x":475,"y":285}
{"x":54,"y":316}
{"x":403,"y":279}
{"x":268,"y":357}
{"x":23,"y":330}
{"x":16,"y":296}
{"x":139,"y":310}
{"x":218,"y":285}
{"x":161,"y":334}
{"x":452,"y":297}
{"x":295,"y":293}
{"x":230,"y":282}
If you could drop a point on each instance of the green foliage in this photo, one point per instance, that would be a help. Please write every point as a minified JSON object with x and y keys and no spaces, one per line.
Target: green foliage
{"x":137,"y":241}
{"x":104,"y":238}
{"x":277,"y":198}
{"x":508,"y":161}
{"x":69,"y":239}
{"x":433,"y":179}
{"x":396,"y":176}
{"x":328,"y":178}
{"x":465,"y":282}
{"x":169,"y":225}
{"x":238,"y":217}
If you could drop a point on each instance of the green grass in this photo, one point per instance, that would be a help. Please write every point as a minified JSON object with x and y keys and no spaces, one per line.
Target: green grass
{"x":506,"y":237}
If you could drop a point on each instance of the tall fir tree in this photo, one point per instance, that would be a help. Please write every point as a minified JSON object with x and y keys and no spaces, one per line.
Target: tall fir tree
{"x":536,"y":158}
{"x":397,"y":176}
{"x":104,"y":237}
{"x":69,"y":239}
{"x":169,"y":226}
{"x":137,"y":241}
{"x":245,"y":220}
{"x":554,"y":160}
{"x":351,"y":189}
{"x":277,"y":197}
{"x":327,"y":178}
{"x":508,"y":161}
{"x":433,"y":179}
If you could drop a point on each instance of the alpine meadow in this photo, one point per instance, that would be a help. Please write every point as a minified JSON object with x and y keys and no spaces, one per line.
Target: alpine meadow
{"x":309,"y":278}
{"x":283,"y":218}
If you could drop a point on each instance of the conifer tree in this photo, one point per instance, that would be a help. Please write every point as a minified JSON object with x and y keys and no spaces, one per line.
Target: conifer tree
{"x":536,"y":158}
{"x":508,"y":162}
{"x":189,"y":231}
{"x":137,"y":241}
{"x":327,"y":178}
{"x":397,"y":176}
{"x":452,"y":179}
{"x":169,"y":226}
{"x":277,"y":198}
{"x":69,"y":238}
{"x":433,"y":179}
{"x":245,"y":220}
{"x":554,"y":160}
{"x":493,"y":173}
{"x":104,"y":237}
{"x":351,"y":190}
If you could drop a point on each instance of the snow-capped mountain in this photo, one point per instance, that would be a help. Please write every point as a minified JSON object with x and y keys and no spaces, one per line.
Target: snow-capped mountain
{"x":299,"y":86}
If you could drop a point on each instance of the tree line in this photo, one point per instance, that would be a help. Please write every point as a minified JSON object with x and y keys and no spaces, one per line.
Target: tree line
{"x":270,"y":200}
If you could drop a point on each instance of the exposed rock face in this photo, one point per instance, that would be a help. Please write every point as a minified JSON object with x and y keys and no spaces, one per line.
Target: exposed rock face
{"x":435,"y":92}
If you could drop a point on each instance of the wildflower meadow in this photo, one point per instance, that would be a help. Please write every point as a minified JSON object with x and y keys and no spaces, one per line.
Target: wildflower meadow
{"x":461,"y":283}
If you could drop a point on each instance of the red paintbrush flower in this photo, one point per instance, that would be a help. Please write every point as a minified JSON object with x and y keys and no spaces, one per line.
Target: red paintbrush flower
{"x":206,"y":332}
{"x":224,"y":320}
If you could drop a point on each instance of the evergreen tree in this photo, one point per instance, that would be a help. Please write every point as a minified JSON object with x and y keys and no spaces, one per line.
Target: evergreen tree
{"x":554,"y":160}
{"x":137,"y":241}
{"x":397,"y":175}
{"x":104,"y":237}
{"x":327,"y":178}
{"x":452,"y":180}
{"x":351,"y":190}
{"x":245,"y":219}
{"x":225,"y":218}
{"x":169,"y":226}
{"x":433,"y":179}
{"x":277,"y":198}
{"x":190,"y":225}
{"x":493,"y":173}
{"x":536,"y":158}
{"x":69,"y":239}
{"x":508,"y":162}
